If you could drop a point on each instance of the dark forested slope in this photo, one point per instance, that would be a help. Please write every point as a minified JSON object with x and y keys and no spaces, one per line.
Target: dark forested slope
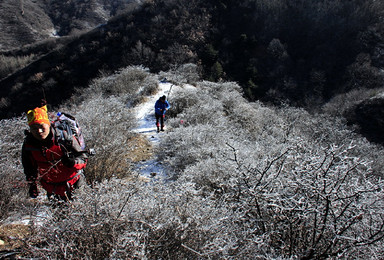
{"x":141,"y":36}
{"x":300,"y":53}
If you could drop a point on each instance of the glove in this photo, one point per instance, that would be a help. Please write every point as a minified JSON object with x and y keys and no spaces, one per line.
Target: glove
{"x":67,"y":161}
{"x":33,"y":192}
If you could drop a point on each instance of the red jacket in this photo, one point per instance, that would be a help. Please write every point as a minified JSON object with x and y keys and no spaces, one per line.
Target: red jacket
{"x":42,"y":161}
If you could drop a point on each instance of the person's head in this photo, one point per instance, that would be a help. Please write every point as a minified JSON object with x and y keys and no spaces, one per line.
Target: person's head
{"x":162,"y":98}
{"x":38,"y":122}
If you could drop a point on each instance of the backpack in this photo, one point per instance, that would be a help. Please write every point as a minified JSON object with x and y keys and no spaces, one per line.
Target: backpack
{"x":67,"y":129}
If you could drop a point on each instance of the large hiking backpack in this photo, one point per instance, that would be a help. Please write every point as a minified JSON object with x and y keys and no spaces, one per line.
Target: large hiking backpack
{"x":68,"y":129}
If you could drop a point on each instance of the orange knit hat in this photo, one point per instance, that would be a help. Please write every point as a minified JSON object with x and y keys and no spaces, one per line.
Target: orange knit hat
{"x":39,"y":115}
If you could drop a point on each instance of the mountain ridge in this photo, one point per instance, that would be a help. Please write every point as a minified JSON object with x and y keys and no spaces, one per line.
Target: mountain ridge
{"x":303,"y":61}
{"x":25,"y":21}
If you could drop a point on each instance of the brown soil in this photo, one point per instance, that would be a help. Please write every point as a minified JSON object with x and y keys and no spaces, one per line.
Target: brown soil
{"x":141,"y":149}
{"x":13,"y":235}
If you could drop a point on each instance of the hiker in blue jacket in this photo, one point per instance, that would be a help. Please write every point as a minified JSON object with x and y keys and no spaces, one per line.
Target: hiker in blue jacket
{"x":161,"y":106}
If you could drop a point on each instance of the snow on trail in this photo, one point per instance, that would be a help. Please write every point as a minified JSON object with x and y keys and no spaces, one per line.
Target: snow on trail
{"x":145,"y":114}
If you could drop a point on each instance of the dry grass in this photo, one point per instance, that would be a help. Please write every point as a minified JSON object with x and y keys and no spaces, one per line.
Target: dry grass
{"x":141,"y":149}
{"x":12,"y":236}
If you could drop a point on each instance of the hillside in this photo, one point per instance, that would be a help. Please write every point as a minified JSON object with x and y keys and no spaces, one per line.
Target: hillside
{"x":132,"y":38}
{"x":25,"y":22}
{"x":303,"y":54}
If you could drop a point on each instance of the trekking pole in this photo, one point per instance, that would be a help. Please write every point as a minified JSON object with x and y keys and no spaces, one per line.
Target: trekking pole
{"x":44,"y":94}
{"x":169,"y":92}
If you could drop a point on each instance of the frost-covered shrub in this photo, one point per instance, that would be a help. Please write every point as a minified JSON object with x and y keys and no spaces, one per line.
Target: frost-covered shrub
{"x":313,"y":203}
{"x":188,"y":145}
{"x":321,"y":203}
{"x":131,"y":84}
{"x":124,"y":220}
{"x":325,"y":131}
{"x":13,"y":190}
{"x":106,"y":123}
{"x":183,"y":74}
{"x":342,"y":103}
{"x":81,"y":230}
{"x":260,"y":122}
{"x":224,"y":91}
{"x":208,"y":103}
{"x":249,"y":181}
{"x":291,"y":184}
{"x":182,"y":100}
{"x":195,"y":108}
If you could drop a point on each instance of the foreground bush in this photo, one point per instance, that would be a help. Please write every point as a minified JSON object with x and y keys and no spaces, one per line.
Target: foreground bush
{"x":295,"y":185}
{"x":247,"y":181}
{"x":12,"y":180}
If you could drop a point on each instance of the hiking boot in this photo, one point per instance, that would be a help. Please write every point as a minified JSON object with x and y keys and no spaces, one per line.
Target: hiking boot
{"x":33,"y":192}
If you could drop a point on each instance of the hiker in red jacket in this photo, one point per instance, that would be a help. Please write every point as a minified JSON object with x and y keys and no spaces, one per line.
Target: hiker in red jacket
{"x":49,"y":160}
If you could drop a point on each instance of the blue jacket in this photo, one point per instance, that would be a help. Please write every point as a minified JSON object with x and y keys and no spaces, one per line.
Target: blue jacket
{"x":161,"y":107}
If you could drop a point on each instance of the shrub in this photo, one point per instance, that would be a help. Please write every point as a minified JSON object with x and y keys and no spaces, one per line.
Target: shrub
{"x":130,"y":84}
{"x":342,"y":103}
{"x":291,"y":184}
{"x":182,"y":74}
{"x":9,"y":65}
{"x":80,"y":230}
{"x":13,"y":183}
{"x":106,"y":124}
{"x":243,"y":180}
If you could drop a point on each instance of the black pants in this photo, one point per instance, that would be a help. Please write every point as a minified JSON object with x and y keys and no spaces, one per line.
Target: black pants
{"x":80,"y":182}
{"x":160,"y":120}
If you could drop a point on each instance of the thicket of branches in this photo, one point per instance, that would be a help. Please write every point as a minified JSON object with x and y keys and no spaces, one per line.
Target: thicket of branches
{"x":247,"y":181}
{"x":293,"y":182}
